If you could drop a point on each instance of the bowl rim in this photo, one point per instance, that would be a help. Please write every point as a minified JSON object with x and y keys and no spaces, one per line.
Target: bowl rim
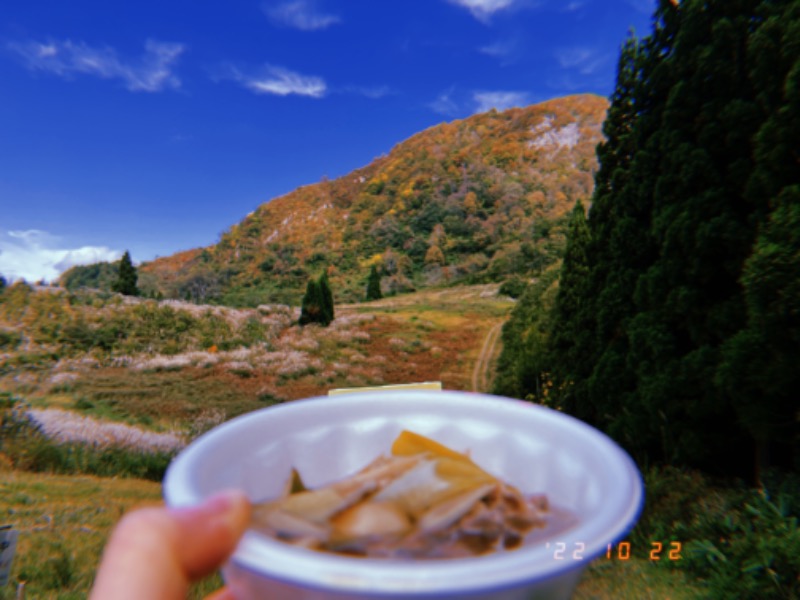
{"x":270,"y":558}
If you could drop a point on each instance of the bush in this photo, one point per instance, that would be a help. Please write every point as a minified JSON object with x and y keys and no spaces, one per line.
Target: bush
{"x":741,"y":543}
{"x":754,"y":552}
{"x":10,"y":339}
{"x":513,"y":287}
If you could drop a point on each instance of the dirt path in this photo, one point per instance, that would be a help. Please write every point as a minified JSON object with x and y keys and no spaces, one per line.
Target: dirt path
{"x":481,"y":373}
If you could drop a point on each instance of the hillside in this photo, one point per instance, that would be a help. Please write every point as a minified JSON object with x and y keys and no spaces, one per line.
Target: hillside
{"x":475,"y":200}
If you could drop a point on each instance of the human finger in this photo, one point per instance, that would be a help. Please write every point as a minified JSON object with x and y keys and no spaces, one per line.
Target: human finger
{"x":157,"y":552}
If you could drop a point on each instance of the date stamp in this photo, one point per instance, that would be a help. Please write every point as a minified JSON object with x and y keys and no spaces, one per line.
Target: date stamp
{"x":670,"y":551}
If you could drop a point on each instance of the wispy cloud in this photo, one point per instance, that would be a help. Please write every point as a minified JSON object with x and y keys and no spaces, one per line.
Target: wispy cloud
{"x":445,"y":104}
{"x":372,"y":92}
{"x":277,"y":81}
{"x":299,"y":14}
{"x":507,"y":51}
{"x":499,"y":100}
{"x":484,"y":9}
{"x":575,"y":5}
{"x":584,"y":60}
{"x":34,"y":254}
{"x":152,"y":72}
{"x":646,"y":7}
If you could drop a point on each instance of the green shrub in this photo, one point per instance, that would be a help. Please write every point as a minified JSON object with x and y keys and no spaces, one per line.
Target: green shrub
{"x":9,"y":339}
{"x":741,"y":543}
{"x":754,"y":552}
{"x":513,"y":287}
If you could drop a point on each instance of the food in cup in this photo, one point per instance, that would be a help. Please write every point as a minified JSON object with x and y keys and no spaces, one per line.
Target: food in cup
{"x":425,"y":500}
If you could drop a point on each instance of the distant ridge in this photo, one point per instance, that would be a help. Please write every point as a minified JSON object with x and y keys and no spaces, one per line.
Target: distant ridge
{"x":478,"y":199}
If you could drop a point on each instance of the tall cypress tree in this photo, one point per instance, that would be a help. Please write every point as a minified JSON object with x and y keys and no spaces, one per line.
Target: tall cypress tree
{"x":126,"y":277}
{"x":759,"y":367}
{"x":523,"y":365}
{"x":317,"y":305}
{"x":311,"y":310}
{"x":374,"y":285}
{"x":699,"y":169}
{"x":571,"y":327}
{"x":689,"y":300}
{"x":590,"y":362}
{"x":327,"y":298}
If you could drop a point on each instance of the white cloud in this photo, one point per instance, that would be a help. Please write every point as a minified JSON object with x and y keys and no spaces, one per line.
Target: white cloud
{"x":152,"y":72}
{"x":484,"y":9}
{"x":506,"y":51}
{"x":585,"y":61}
{"x":299,"y":14}
{"x":372,"y":92}
{"x":278,"y":81}
{"x":575,"y":5}
{"x":646,"y":7}
{"x":34,"y":254}
{"x":485,"y":101}
{"x":445,"y":105}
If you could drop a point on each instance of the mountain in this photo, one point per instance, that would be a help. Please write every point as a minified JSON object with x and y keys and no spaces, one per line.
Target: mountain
{"x":475,"y":200}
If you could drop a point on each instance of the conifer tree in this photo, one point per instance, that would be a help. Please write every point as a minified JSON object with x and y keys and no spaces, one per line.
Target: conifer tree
{"x":522,"y":368}
{"x":570,"y":324}
{"x":126,"y":277}
{"x":693,"y":342}
{"x":759,"y":367}
{"x":327,"y":298}
{"x":312,"y":309}
{"x":317,"y":305}
{"x":374,"y":285}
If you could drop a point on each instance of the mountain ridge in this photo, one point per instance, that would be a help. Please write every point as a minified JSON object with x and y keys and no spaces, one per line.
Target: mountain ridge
{"x":477,"y":199}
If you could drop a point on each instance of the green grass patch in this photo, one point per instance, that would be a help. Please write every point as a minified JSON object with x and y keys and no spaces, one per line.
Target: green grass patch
{"x":161,"y":399}
{"x":64,"y":523}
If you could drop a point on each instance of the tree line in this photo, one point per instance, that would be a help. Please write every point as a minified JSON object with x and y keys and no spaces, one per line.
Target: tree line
{"x":675,"y":321}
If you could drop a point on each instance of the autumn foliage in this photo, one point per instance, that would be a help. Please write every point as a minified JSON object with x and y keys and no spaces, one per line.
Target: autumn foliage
{"x":473,"y":200}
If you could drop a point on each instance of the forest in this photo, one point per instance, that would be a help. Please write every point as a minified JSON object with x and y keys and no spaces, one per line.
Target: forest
{"x":674,"y":321}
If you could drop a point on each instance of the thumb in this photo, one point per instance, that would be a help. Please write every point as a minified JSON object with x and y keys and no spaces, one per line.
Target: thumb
{"x":157,"y":552}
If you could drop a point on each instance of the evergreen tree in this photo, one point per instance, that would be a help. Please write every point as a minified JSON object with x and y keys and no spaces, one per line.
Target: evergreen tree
{"x":687,"y":326}
{"x":317,"y":305}
{"x":570,"y":323}
{"x":589,"y":366}
{"x":327,"y":298}
{"x":312,"y":308}
{"x":759,"y":367}
{"x":522,"y":368}
{"x":689,"y":300}
{"x":374,"y":285}
{"x":126,"y":277}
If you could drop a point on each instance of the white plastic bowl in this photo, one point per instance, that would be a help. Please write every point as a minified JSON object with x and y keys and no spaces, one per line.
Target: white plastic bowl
{"x":534,"y":448}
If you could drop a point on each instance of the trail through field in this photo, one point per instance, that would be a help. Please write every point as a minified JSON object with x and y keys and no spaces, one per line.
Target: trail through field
{"x":481,"y":375}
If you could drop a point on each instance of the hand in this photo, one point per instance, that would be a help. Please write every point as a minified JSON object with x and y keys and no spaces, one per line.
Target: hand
{"x":155,"y":553}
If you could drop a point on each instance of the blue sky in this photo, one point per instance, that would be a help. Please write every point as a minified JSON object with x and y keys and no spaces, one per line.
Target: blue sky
{"x":154,"y":126}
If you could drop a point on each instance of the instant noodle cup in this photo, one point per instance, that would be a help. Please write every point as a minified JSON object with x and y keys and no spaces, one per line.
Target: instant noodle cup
{"x":592,"y":486}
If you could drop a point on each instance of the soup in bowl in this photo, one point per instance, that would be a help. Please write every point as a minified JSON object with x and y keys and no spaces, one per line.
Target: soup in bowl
{"x":591,"y":488}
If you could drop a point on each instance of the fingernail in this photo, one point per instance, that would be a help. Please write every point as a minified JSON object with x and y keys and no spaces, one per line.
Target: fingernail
{"x":229,"y":508}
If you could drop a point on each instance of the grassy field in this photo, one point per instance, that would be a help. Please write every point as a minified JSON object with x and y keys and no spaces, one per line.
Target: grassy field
{"x":64,"y":521}
{"x":429,"y":336}
{"x":157,"y":390}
